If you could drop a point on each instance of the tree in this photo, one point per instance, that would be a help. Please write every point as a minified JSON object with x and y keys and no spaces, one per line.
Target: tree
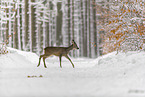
{"x":125,"y":23}
{"x":41,"y":23}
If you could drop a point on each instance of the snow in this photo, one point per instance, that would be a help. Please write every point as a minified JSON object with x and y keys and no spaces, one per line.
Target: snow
{"x":121,"y":75}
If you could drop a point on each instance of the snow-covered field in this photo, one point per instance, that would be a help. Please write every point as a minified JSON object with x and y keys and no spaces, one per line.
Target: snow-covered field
{"x":121,"y":75}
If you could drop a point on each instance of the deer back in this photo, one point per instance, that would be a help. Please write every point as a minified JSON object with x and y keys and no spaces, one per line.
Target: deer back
{"x":57,"y":51}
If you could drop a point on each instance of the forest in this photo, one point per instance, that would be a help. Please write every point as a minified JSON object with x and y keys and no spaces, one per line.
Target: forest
{"x":110,"y":35}
{"x":97,"y":26}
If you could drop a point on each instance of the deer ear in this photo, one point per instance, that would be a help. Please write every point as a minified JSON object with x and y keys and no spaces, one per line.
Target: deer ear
{"x":73,"y":41}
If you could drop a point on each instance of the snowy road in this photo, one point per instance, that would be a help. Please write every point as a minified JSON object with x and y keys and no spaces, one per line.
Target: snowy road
{"x":121,"y":75}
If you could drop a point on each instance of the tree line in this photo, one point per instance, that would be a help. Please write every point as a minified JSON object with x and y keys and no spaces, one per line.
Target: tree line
{"x":32,"y":25}
{"x":97,"y":26}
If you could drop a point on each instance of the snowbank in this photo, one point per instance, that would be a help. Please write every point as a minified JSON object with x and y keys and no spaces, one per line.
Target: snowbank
{"x":111,"y":75}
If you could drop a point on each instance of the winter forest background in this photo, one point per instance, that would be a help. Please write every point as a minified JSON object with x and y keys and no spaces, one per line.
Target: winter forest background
{"x":97,"y":26}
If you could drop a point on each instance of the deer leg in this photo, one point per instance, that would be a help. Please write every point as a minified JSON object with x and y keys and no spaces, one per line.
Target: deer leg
{"x":60,"y":60}
{"x":70,"y":60}
{"x":44,"y":62}
{"x":44,"y":57}
{"x":40,"y":60}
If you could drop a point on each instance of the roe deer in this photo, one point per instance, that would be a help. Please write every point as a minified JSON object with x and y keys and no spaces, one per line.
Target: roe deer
{"x":58,"y":51}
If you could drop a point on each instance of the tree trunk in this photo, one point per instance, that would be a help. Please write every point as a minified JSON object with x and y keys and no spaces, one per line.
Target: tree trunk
{"x":33,"y":34}
{"x":59,"y":24}
{"x":26,"y":33}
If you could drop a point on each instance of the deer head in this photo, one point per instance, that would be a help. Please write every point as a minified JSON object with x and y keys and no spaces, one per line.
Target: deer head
{"x":74,"y":45}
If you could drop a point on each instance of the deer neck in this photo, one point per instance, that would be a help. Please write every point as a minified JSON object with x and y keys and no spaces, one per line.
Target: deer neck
{"x":70,"y":48}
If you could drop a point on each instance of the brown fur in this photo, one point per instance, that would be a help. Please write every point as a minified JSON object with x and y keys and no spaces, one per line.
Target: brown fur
{"x":58,"y":51}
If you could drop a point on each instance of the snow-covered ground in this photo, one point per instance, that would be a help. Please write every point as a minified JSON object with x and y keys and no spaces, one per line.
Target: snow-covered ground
{"x":121,"y":75}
